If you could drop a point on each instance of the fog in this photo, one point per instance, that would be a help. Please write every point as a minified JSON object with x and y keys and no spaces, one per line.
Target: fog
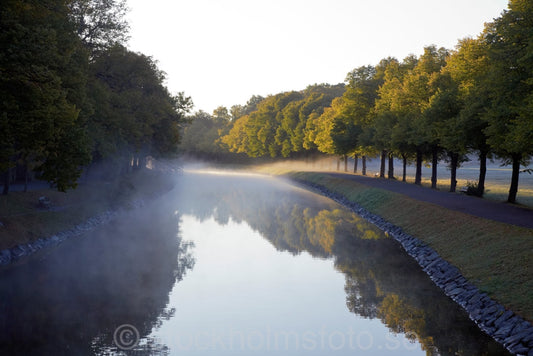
{"x":72,"y":299}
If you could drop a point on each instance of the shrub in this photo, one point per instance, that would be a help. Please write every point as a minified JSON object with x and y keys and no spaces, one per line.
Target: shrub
{"x":473,"y":189}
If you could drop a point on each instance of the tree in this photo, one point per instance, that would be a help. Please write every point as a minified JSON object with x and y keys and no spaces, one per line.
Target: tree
{"x":42,"y":87}
{"x":384,"y":117}
{"x":443,"y":123}
{"x":201,"y":137}
{"x":359,"y":99}
{"x":237,"y":139}
{"x":281,"y":125}
{"x":134,"y":114}
{"x":324,"y":126}
{"x":511,"y":69}
{"x":469,"y":68}
{"x":392,"y":116}
{"x":101,"y":24}
{"x":416,"y":93}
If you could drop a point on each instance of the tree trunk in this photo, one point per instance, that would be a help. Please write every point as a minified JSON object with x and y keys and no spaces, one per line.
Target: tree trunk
{"x":25,"y":177}
{"x":434,"y":164}
{"x":345,"y":163}
{"x":404,"y":173}
{"x":363,"y":159}
{"x":356,"y":160}
{"x":7,"y":178}
{"x":391,"y":166}
{"x":382,"y":167}
{"x":418,"y":173}
{"x":513,"y":190}
{"x":453,"y":168}
{"x":482,"y":172}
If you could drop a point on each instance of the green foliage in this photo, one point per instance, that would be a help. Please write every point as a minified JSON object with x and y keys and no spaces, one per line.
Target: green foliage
{"x":70,"y":89}
{"x":472,"y":188}
{"x":100,"y":24}
{"x":201,"y":136}
{"x":441,"y":104}
{"x":133,"y":112}
{"x":42,"y":86}
{"x":282,"y":124}
{"x":510,"y":45}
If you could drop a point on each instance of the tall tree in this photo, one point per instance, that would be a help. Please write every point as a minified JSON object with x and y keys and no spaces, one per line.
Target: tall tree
{"x":442,"y":116}
{"x":101,"y":24}
{"x":362,"y":85}
{"x":511,"y":69}
{"x":417,"y":91}
{"x":468,"y":66}
{"x":201,"y":138}
{"x":135,"y":115}
{"x":392,"y":116}
{"x":42,"y":89}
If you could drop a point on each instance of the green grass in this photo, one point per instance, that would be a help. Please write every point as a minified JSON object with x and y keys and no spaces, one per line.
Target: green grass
{"x":24,"y":222}
{"x":496,"y":257}
{"x":496,"y":190}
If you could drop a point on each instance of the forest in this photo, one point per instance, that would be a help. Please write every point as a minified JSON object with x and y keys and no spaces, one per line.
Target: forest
{"x":440,"y":106}
{"x":73,"y":95}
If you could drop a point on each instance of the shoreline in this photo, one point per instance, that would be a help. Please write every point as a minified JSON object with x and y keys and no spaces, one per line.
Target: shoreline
{"x":503,"y":325}
{"x":22,"y":252}
{"x":98,"y":214}
{"x":11,"y":256}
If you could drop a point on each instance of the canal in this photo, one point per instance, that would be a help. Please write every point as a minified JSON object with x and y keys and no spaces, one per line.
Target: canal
{"x":232,"y":264}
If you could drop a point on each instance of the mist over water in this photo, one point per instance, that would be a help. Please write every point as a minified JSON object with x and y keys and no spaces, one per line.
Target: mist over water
{"x":230,"y":264}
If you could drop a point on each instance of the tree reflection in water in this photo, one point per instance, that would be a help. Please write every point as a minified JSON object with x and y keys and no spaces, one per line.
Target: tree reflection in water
{"x":72,"y":300}
{"x":381,"y":280}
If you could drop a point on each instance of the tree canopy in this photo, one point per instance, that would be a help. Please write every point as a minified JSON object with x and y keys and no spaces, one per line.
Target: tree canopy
{"x":442,"y":105}
{"x":72,"y":92}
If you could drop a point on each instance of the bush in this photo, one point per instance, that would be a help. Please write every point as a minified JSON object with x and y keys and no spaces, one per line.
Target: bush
{"x":473,"y":189}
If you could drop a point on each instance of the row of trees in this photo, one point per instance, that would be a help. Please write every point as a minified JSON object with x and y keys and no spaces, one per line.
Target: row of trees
{"x":276,"y":126}
{"x":73,"y":94}
{"x":441,"y":105}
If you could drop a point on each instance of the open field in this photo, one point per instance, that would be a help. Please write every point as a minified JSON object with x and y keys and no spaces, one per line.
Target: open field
{"x":494,"y":256}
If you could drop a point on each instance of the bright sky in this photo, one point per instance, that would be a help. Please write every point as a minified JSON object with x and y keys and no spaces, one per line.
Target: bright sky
{"x":221,"y":52}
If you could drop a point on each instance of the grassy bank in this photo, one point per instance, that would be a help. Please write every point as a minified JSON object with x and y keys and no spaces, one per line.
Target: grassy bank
{"x":496,"y":257}
{"x":496,"y":185}
{"x":24,"y":221}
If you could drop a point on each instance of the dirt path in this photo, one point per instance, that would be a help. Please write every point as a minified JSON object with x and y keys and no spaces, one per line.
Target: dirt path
{"x":484,"y":208}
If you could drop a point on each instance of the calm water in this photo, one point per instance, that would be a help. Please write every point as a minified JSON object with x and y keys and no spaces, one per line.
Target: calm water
{"x":231,"y":265}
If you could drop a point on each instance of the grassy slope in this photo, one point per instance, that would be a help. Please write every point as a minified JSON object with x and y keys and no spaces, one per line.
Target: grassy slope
{"x":496,"y":257}
{"x":24,"y":222}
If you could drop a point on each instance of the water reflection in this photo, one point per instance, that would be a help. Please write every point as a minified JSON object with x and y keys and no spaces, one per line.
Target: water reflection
{"x":381,"y":281}
{"x":71,"y":302}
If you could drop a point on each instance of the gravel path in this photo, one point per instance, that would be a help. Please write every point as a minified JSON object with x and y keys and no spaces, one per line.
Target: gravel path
{"x":484,"y":208}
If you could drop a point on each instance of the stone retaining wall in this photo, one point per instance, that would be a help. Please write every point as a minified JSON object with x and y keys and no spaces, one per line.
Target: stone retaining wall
{"x":509,"y":329}
{"x":19,"y":252}
{"x":16,"y":253}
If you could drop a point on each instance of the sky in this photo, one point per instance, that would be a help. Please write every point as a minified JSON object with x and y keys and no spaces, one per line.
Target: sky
{"x":222,"y":52}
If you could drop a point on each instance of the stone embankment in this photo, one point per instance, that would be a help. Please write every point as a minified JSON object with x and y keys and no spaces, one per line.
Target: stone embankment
{"x":14,"y":254}
{"x":509,"y":329}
